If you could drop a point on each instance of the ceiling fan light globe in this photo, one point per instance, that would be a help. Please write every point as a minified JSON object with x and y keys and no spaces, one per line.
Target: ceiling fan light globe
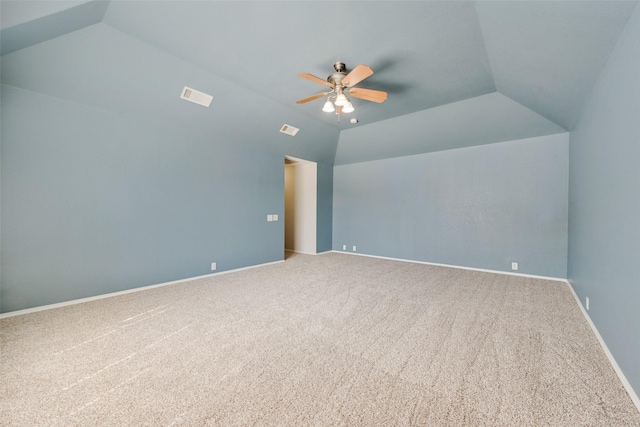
{"x":328,"y":107}
{"x":347,"y":108}
{"x":341,"y":100}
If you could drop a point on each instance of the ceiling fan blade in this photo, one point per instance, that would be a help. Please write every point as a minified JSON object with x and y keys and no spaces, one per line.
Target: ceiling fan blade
{"x":314,"y":79}
{"x":357,"y":75}
{"x":311,"y":98}
{"x":368,"y":94}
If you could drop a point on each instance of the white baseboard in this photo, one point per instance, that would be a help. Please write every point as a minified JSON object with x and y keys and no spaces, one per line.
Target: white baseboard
{"x":508,"y":273}
{"x":632,"y":393}
{"x":127,"y":291}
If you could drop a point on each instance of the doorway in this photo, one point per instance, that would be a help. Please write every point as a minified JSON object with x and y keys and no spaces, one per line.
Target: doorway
{"x":300,"y":205}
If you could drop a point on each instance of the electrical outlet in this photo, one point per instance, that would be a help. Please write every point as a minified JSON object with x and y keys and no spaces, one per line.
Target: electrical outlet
{"x":344,"y":247}
{"x":213,"y":266}
{"x":269,"y":218}
{"x":514,"y":265}
{"x":586,"y":303}
{"x":354,"y":248}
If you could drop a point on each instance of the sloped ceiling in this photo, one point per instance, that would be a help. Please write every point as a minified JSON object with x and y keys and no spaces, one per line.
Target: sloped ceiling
{"x":489,"y":118}
{"x":545,"y":56}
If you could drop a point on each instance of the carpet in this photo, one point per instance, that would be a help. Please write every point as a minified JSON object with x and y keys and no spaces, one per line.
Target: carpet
{"x":332,"y":339}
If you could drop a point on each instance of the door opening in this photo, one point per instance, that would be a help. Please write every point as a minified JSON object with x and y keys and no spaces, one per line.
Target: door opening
{"x":300,"y":205}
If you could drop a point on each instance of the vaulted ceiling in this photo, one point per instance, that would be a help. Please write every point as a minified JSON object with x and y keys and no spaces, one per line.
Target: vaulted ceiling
{"x":543,"y":55}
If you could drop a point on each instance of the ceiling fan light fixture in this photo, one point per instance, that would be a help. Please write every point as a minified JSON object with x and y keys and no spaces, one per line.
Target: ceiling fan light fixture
{"x":347,"y":108}
{"x":328,"y":107}
{"x":342,"y":83}
{"x":341,"y":100}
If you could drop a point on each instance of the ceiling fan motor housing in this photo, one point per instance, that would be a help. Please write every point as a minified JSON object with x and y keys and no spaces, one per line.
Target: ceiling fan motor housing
{"x":336,"y":78}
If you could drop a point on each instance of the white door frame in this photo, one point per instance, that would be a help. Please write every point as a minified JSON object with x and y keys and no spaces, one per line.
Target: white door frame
{"x":301,"y":201}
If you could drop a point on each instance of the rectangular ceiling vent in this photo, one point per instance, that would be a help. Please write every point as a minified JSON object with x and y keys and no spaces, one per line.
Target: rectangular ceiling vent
{"x":198,"y":97}
{"x":289,"y":130}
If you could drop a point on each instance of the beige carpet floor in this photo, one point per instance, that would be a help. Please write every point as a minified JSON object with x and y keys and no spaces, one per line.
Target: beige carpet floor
{"x":332,"y":339}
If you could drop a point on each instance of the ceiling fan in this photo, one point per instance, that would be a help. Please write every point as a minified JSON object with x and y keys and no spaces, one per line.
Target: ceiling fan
{"x":342,"y":86}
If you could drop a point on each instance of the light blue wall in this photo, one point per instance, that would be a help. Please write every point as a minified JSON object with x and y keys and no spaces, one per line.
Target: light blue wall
{"x":324,"y":208}
{"x":110,"y":181}
{"x":95,"y":201}
{"x":482,"y":207}
{"x":604,"y":203}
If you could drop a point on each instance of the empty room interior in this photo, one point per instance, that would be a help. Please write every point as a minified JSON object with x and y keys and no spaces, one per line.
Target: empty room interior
{"x":320,"y":213}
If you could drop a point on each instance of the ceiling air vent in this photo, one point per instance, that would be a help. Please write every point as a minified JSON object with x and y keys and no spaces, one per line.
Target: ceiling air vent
{"x":289,"y":130}
{"x":196,"y":96}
